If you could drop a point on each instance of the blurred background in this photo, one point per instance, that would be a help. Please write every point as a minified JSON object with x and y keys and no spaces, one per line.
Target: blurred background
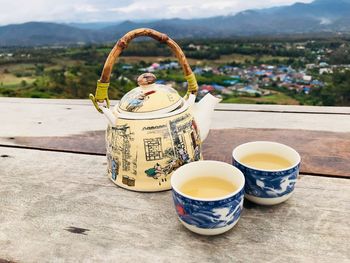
{"x":264,"y":52}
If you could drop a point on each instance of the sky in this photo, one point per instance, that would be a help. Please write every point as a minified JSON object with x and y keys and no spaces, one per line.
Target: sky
{"x":19,"y":11}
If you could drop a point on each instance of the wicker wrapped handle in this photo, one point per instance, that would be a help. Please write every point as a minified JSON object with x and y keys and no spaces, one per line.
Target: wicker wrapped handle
{"x":103,"y":84}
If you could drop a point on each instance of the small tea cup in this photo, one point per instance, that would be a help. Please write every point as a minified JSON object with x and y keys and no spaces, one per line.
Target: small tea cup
{"x":208,"y":216}
{"x":267,"y":187}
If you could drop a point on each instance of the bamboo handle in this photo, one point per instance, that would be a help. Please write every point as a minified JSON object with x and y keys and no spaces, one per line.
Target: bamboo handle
{"x":102,"y":85}
{"x":127,"y":38}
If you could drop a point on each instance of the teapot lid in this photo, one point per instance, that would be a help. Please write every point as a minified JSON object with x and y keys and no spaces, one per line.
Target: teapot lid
{"x":150,"y":97}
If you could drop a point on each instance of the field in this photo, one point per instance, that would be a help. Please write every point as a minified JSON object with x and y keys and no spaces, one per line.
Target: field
{"x":12,"y":80}
{"x":11,"y":76}
{"x":275,"y":98}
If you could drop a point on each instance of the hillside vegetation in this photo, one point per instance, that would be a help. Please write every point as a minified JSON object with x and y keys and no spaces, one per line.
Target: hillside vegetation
{"x":72,"y":72}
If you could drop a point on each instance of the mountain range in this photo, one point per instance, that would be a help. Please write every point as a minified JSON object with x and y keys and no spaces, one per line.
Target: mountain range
{"x":315,"y":17}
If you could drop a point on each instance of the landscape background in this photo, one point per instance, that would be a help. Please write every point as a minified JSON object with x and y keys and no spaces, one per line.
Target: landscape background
{"x":294,"y":54}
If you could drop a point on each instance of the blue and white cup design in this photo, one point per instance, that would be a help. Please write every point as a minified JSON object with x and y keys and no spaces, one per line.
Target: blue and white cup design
{"x":208,"y":216}
{"x":267,"y":187}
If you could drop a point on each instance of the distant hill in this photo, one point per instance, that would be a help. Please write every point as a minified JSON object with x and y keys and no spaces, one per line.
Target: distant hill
{"x":318,"y":16}
{"x":40,"y":33}
{"x":93,"y":25}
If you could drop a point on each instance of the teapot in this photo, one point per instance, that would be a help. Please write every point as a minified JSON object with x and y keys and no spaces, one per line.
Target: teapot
{"x":152,"y":130}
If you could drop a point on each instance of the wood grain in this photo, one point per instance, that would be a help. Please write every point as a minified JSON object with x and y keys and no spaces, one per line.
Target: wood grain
{"x":59,"y":207}
{"x":323,"y":153}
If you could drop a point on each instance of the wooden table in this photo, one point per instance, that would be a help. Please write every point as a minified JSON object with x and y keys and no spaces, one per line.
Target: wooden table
{"x":57,"y":205}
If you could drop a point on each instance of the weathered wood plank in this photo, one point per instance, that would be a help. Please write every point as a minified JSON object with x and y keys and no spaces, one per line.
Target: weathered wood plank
{"x":60,"y":207}
{"x":283,"y":108}
{"x":323,"y":153}
{"x":221,"y":106}
{"x":46,"y":118}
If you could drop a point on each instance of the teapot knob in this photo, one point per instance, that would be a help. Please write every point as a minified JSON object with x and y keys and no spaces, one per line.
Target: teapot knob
{"x":146,"y":79}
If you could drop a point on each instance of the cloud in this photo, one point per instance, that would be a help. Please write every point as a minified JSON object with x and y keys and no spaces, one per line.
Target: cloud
{"x":19,"y":11}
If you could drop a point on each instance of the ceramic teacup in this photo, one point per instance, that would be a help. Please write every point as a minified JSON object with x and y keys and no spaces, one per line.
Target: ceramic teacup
{"x":208,"y":216}
{"x":267,"y":187}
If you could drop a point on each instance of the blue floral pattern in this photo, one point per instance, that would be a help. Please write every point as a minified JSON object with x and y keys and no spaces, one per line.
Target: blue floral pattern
{"x":209,"y":214}
{"x":268,"y":184}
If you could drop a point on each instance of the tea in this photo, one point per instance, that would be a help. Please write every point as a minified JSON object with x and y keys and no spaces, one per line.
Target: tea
{"x":266,"y":161}
{"x":208,"y":187}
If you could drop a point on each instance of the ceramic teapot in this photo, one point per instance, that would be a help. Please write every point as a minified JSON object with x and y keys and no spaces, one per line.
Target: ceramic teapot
{"x":153,"y":130}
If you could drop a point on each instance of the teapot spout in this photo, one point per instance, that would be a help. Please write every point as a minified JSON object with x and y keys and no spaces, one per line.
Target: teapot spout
{"x":112,"y":120}
{"x":203,"y":112}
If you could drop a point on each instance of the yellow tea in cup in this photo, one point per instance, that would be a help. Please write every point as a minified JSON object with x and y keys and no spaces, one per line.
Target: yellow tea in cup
{"x":207,"y":187}
{"x":265,"y":161}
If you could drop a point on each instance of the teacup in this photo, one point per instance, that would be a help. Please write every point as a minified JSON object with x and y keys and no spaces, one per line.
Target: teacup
{"x":267,"y":187}
{"x":208,"y":216}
